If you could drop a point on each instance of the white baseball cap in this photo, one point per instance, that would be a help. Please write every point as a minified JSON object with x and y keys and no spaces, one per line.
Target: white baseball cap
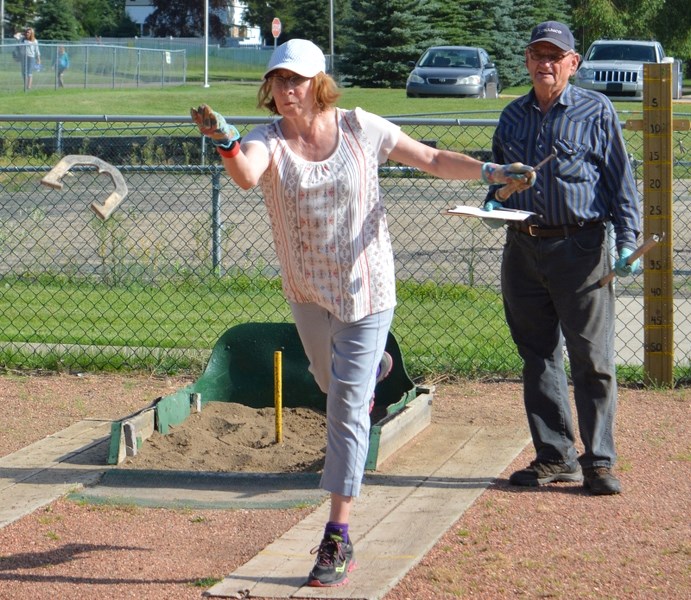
{"x":299,"y":56}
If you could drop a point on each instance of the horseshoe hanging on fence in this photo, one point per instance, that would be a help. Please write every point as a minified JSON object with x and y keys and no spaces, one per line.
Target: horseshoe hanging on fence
{"x":103,"y":211}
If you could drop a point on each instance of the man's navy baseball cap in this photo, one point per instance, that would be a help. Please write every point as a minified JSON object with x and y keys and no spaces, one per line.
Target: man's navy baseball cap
{"x":555,"y":33}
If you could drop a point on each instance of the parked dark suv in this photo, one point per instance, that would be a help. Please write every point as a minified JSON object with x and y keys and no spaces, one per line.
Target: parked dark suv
{"x":453,"y":71}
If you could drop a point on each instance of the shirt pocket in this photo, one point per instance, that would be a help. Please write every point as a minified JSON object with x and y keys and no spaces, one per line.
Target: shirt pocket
{"x":572,"y":163}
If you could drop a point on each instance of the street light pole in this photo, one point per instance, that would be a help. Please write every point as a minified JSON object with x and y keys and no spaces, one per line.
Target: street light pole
{"x":206,"y":43}
{"x":331,"y":35}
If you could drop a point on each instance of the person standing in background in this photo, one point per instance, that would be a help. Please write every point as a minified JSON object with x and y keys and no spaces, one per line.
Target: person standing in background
{"x":553,"y":261}
{"x":61,"y":64}
{"x":30,"y":55}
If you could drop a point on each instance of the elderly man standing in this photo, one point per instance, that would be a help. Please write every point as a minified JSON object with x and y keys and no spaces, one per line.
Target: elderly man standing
{"x":553,"y":261}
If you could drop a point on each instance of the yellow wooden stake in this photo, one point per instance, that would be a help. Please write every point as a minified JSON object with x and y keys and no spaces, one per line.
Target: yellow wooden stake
{"x":278,"y":394}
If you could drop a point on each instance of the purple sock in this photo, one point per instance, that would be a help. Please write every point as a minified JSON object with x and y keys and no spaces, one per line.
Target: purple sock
{"x":340,"y":529}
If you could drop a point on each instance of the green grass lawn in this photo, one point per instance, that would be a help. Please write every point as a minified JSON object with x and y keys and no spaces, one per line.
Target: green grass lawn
{"x":240,"y":99}
{"x":96,"y":320}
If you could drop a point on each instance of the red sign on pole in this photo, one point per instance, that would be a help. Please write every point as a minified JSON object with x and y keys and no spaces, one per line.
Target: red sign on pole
{"x":276,"y":27}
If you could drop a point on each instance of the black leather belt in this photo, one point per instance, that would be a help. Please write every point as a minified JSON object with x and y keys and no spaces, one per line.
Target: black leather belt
{"x":555,"y":231}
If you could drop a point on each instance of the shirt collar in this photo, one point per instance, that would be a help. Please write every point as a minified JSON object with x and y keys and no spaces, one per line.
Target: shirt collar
{"x":566,"y":98}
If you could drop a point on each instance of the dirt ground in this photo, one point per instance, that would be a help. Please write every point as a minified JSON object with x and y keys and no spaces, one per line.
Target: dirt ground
{"x":226,"y":436}
{"x":554,"y":542}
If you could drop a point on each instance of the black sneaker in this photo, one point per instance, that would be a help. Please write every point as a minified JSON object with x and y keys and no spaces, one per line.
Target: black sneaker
{"x":600,"y":481}
{"x":335,"y":559}
{"x":539,"y":473}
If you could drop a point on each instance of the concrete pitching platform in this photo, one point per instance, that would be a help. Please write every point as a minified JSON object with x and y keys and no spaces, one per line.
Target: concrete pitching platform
{"x":52,"y":467}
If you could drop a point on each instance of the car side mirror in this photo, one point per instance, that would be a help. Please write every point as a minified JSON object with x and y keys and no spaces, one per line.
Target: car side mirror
{"x":490,"y":65}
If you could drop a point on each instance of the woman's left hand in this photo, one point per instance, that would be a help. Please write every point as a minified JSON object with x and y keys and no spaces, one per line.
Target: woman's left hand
{"x":493,"y":173}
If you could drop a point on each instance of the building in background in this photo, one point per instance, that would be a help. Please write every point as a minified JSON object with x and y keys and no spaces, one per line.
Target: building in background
{"x":239,"y":32}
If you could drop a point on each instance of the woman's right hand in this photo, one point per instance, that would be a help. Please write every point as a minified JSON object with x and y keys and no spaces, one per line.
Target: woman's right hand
{"x":212,"y":125}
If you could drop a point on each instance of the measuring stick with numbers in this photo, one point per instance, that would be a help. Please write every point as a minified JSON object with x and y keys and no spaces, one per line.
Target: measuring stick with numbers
{"x":636,"y":254}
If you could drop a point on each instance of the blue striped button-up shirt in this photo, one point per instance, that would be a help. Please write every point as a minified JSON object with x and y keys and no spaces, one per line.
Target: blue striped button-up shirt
{"x":591,"y":177}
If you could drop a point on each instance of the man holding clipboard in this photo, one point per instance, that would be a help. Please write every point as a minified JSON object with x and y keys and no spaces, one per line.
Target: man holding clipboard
{"x":553,"y":261}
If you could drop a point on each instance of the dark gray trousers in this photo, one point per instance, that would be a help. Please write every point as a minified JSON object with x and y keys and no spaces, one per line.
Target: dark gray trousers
{"x":552,"y":296}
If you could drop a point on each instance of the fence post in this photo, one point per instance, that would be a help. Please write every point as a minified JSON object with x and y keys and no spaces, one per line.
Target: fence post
{"x":86,"y":66}
{"x":216,"y":224}
{"x":59,"y":126}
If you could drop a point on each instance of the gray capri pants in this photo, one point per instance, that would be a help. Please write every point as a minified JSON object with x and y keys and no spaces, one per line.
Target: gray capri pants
{"x":343,"y":358}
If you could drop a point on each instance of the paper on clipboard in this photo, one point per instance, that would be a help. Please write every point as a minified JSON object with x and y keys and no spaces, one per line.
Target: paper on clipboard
{"x":505,"y":214}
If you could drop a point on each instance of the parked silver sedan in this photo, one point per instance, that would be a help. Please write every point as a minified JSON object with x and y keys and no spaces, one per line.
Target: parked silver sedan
{"x":453,"y":71}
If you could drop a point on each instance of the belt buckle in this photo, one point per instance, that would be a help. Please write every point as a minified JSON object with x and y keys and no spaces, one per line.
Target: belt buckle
{"x":532,"y":227}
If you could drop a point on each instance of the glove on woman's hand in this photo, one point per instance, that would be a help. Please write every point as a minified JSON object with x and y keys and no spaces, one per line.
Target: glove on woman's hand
{"x":214,"y":126}
{"x":493,"y":173}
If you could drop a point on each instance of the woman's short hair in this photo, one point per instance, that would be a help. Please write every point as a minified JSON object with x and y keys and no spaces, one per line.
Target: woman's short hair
{"x":326,"y":93}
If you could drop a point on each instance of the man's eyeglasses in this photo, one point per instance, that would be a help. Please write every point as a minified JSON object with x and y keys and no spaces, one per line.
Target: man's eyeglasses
{"x":550,"y":57}
{"x":287,"y":82}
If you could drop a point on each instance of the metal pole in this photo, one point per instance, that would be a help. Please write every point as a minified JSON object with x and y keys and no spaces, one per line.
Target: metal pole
{"x":206,"y":43}
{"x":59,"y":128}
{"x":331,"y":36}
{"x":2,"y":21}
{"x":216,"y":224}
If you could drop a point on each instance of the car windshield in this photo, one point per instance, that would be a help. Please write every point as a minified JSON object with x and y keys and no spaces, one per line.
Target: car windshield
{"x":622,"y":52}
{"x":450,"y":58}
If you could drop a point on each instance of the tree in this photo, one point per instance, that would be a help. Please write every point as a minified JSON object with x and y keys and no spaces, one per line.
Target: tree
{"x":511,"y":26}
{"x":672,"y":27}
{"x":447,"y":21}
{"x":56,"y":21}
{"x":124,"y":27}
{"x":385,"y":36}
{"x":668,"y":21}
{"x":597,"y":19}
{"x":313,"y":23}
{"x":96,"y":16}
{"x":20,"y":14}
{"x":511,"y":34}
{"x":185,"y":18}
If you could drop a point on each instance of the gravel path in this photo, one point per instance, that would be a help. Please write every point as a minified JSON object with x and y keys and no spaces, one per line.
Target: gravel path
{"x":554,"y":542}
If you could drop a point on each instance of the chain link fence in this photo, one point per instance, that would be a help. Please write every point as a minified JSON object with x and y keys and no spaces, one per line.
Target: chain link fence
{"x":94,"y":65}
{"x":188,"y":254}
